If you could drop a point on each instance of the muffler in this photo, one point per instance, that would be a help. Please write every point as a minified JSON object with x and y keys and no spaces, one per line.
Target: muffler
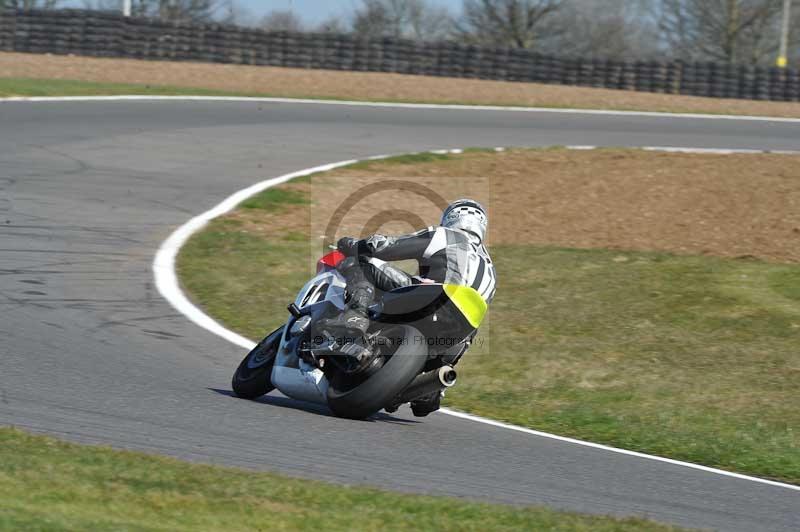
{"x":428,"y":383}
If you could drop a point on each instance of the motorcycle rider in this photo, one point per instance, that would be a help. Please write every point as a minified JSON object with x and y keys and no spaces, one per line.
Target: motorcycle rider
{"x":452,"y":253}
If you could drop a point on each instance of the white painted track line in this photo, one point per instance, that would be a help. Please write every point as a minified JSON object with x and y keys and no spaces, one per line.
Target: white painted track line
{"x":168,"y":285}
{"x":164,"y":261}
{"x":393,"y":105}
{"x":573,"y":441}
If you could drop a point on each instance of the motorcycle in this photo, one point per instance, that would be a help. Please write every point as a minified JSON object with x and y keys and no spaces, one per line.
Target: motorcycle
{"x":415,"y":336}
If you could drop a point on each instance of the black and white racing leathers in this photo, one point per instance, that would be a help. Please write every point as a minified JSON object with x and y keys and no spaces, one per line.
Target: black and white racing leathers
{"x":444,"y":255}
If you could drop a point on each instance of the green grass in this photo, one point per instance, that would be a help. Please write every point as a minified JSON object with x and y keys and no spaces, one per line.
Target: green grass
{"x":46,"y":484}
{"x":28,"y":87}
{"x":689,"y":357}
{"x":10,"y":87}
{"x":276,"y":198}
{"x":411,"y":158}
{"x":694,"y":358}
{"x":57,"y":87}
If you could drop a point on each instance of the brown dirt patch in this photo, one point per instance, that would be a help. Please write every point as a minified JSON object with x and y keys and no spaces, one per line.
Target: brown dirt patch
{"x":743,"y":205}
{"x":288,"y":82}
{"x":395,"y":211}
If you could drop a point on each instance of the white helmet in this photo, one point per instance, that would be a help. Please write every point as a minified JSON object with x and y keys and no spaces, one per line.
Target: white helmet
{"x":467,"y":215}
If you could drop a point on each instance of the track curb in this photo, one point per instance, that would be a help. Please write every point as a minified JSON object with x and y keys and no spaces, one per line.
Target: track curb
{"x":169,"y":287}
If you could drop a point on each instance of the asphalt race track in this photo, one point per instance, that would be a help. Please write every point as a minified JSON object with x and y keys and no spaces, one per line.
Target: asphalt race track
{"x":89,"y":351}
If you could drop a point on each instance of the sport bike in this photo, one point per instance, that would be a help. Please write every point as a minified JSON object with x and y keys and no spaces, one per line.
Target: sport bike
{"x":415,"y":335}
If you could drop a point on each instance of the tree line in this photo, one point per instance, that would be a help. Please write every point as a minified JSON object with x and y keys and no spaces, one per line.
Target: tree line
{"x":727,"y":31}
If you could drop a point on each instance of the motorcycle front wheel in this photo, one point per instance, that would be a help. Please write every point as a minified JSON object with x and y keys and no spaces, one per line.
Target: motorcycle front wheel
{"x":252,"y":378}
{"x":361,"y":400}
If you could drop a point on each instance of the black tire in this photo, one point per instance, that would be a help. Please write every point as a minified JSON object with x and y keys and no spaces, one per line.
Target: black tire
{"x":380,"y":389}
{"x":252,"y":378}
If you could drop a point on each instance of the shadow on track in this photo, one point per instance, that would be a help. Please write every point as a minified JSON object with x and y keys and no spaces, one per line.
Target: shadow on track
{"x":285,"y":402}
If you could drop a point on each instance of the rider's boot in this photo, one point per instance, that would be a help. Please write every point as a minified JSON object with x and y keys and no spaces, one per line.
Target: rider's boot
{"x":361,"y":294}
{"x":353,"y":322}
{"x":352,"y":318}
{"x":427,"y":404}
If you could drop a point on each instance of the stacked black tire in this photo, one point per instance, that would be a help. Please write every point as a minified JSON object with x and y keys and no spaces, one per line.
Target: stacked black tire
{"x":104,"y":34}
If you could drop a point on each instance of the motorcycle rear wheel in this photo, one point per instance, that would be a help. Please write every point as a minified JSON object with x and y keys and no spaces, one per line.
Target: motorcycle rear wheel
{"x":378,"y":390}
{"x":252,"y":378}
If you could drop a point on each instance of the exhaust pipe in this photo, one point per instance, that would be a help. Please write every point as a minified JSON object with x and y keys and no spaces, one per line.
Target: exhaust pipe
{"x":428,"y":383}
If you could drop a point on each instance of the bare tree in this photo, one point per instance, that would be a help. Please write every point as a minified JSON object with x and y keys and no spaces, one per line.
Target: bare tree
{"x":29,"y":4}
{"x":514,"y":23}
{"x":732,"y":31}
{"x":427,"y":22}
{"x":190,"y":10}
{"x":234,"y":12}
{"x":103,"y":5}
{"x":332,"y":24}
{"x":611,"y":29}
{"x":228,"y":11}
{"x":281,"y":20}
{"x":415,"y":19}
{"x":373,"y":20}
{"x":173,"y":10}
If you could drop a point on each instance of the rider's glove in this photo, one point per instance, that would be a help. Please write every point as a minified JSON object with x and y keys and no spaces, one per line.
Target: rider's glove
{"x":348,"y":246}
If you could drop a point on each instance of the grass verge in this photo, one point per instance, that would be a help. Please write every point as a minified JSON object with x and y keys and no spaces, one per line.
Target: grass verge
{"x":10,"y":87}
{"x":46,"y":484}
{"x":164,"y":77}
{"x":690,"y":357}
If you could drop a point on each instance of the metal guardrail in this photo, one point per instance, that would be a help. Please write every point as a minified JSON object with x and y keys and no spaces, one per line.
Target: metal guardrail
{"x":101,"y":34}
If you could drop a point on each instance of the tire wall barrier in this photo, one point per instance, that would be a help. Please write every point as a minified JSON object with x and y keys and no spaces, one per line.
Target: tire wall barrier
{"x":104,"y":34}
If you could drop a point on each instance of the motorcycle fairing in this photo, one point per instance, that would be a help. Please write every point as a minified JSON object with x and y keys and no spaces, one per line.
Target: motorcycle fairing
{"x":447,"y":313}
{"x":324,"y":294}
{"x":469,"y":301}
